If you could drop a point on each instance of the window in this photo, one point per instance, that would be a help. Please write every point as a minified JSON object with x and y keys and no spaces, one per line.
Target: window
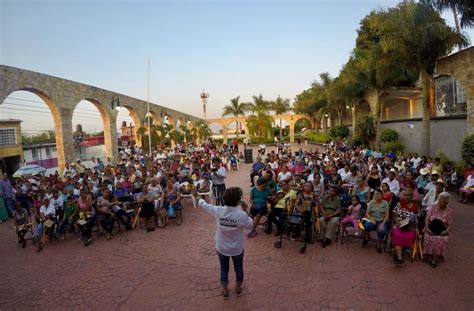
{"x":34,"y":154}
{"x":7,"y":137}
{"x":48,"y":151}
{"x":53,"y":149}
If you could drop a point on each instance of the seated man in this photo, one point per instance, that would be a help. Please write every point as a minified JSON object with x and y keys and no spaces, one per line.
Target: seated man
{"x":106,"y":215}
{"x":45,"y":221}
{"x":68,"y":219}
{"x":330,"y":209}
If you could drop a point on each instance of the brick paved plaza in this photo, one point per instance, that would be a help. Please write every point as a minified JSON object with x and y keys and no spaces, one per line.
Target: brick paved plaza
{"x":177,"y":268}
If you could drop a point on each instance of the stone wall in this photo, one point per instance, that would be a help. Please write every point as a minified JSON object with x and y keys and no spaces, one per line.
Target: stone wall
{"x":446,"y":135}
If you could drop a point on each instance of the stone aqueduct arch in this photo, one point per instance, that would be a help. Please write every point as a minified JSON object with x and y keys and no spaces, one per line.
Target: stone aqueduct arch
{"x":460,"y":66}
{"x":62,"y":97}
{"x":290,"y":118}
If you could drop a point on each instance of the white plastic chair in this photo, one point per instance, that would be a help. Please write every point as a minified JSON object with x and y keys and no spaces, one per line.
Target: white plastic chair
{"x":189,"y":195}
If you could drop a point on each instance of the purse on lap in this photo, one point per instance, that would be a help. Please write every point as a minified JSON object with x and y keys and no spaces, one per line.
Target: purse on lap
{"x":437,"y":226}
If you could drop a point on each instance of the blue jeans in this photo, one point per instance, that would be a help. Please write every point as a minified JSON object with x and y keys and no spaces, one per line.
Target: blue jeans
{"x":369,"y":226}
{"x":238,"y":262}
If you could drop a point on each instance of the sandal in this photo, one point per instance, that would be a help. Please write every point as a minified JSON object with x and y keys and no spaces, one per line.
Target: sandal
{"x":252,"y":234}
{"x":433,"y":265}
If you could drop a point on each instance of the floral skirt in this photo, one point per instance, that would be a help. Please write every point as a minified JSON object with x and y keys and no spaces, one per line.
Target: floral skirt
{"x":435,"y":244}
{"x":403,"y":238}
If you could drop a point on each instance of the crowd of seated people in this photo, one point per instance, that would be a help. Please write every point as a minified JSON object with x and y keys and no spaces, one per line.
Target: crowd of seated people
{"x":106,"y":197}
{"x":402,"y":198}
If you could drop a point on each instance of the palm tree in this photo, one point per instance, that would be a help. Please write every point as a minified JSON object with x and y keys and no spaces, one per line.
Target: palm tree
{"x":203,"y":130}
{"x":379,"y":65}
{"x":235,"y":109}
{"x":143,"y":133}
{"x":418,"y":31}
{"x":260,"y":122}
{"x":281,"y":106}
{"x":464,"y":8}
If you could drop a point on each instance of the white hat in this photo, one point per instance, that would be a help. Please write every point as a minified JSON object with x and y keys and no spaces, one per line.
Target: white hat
{"x":424,"y":171}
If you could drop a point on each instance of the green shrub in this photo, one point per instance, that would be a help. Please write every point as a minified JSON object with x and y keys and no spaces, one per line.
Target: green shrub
{"x":339,"y":131}
{"x":365,"y":130}
{"x":387,"y":135}
{"x":317,"y":137}
{"x":393,"y":146}
{"x":442,"y":157}
{"x":467,"y":148}
{"x":459,"y":167}
{"x":260,"y":140}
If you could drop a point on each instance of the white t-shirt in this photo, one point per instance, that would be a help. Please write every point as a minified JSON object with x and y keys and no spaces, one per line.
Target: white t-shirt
{"x":46,"y":211}
{"x":230,"y":223}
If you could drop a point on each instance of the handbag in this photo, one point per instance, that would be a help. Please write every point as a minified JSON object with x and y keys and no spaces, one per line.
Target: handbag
{"x":437,"y":226}
{"x":171,"y":212}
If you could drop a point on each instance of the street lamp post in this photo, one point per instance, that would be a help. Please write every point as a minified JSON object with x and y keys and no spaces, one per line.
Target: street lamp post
{"x":148,"y":115}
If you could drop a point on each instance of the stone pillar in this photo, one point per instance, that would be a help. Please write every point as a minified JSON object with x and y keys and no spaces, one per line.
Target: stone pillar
{"x":64,"y":140}
{"x":224,"y":133}
{"x":292,"y":131}
{"x":110,"y":136}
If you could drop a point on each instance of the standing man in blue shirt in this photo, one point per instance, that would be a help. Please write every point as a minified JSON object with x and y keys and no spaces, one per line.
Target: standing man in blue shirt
{"x":6,"y":193}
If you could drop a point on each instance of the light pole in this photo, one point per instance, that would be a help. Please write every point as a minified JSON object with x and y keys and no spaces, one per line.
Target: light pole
{"x":148,"y":115}
{"x":204,"y":97}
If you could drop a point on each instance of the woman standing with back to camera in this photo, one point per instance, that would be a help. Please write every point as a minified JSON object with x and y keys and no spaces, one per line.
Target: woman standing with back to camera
{"x":231,"y":219}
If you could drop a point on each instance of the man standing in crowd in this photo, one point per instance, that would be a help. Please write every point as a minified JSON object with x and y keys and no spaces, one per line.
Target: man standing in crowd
{"x":6,"y":193}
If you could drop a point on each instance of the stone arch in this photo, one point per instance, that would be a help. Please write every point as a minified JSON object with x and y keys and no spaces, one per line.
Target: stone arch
{"x":301,"y":119}
{"x":108,"y":121}
{"x":60,"y":122}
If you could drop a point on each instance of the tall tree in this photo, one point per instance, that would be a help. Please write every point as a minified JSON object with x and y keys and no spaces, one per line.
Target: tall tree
{"x":463,"y":11}
{"x":419,"y":32}
{"x":235,"y":109}
{"x":379,"y":65}
{"x":281,"y":106}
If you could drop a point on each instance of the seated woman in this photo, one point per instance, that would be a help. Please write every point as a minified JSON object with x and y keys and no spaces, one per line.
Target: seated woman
{"x":147,"y":210}
{"x":362,"y":191}
{"x":377,"y":214}
{"x":467,"y":187}
{"x":22,"y":223}
{"x":106,"y":215}
{"x":259,"y":197}
{"x":404,"y":226}
{"x":438,"y":223}
{"x":170,"y":199}
{"x":305,"y":204}
{"x":87,"y":215}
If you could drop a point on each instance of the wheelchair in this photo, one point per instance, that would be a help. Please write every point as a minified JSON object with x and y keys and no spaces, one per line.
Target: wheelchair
{"x":295,"y":228}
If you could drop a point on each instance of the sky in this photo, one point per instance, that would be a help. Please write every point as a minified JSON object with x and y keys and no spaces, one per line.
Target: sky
{"x":229,"y":48}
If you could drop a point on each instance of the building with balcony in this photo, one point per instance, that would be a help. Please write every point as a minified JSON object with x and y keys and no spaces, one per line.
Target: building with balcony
{"x":11,"y":151}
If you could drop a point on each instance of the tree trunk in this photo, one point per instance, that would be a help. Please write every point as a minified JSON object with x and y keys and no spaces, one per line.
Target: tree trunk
{"x":456,"y":22}
{"x":426,"y":130}
{"x":237,"y":128}
{"x":378,"y":119}
{"x":354,"y":117}
{"x":281,"y":130}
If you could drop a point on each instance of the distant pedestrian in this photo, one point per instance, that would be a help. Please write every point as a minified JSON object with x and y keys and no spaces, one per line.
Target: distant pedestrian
{"x":6,"y":193}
